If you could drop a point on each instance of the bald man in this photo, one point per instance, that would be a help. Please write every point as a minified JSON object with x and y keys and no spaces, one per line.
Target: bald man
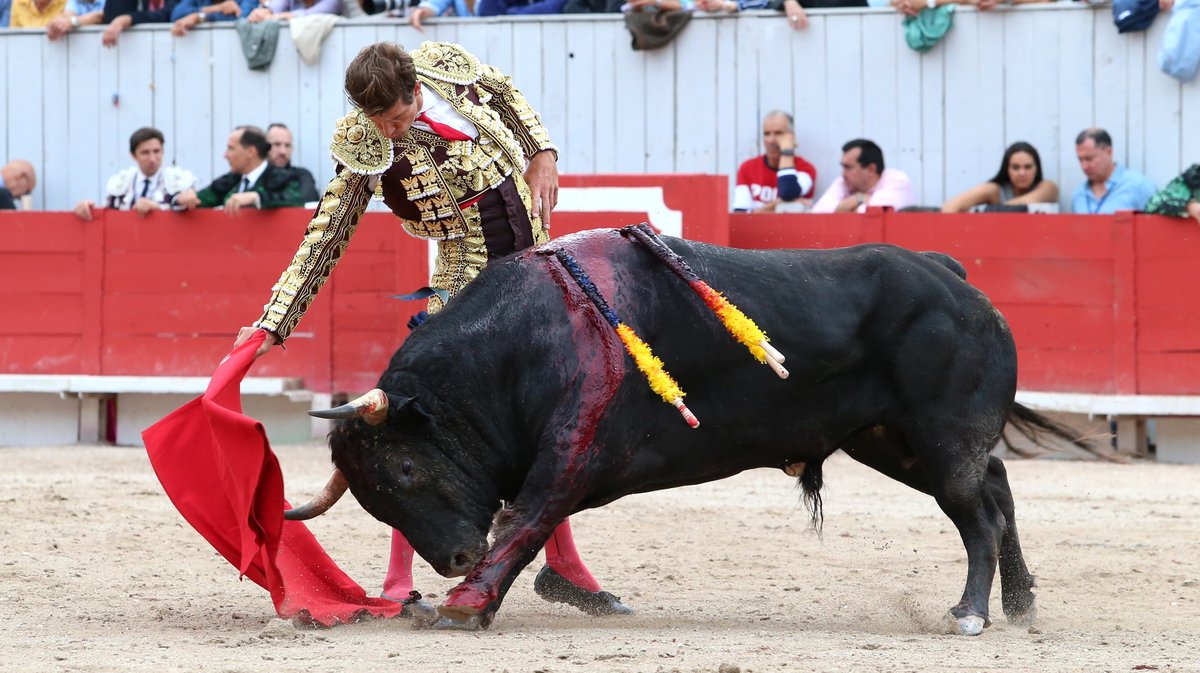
{"x":17,"y":178}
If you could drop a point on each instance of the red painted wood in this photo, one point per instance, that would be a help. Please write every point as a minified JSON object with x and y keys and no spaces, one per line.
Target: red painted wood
{"x":41,"y":354}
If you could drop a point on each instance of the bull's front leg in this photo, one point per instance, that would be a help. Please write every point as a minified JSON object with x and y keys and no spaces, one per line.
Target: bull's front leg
{"x":532,"y":521}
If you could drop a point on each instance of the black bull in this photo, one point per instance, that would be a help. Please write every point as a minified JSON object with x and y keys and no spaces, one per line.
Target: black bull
{"x":520,"y":392}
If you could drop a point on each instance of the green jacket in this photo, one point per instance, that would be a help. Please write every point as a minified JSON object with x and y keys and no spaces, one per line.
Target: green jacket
{"x":1173,"y":199}
{"x":276,"y":187}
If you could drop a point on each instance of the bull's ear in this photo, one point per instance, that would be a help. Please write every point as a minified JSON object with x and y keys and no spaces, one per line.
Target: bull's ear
{"x":407,"y":409}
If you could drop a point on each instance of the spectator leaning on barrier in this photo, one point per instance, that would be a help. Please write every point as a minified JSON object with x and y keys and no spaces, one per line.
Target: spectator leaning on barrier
{"x":865,"y":182}
{"x":281,"y":157}
{"x":431,"y":8}
{"x":252,"y":181}
{"x":17,"y":178}
{"x":122,"y":14}
{"x":191,"y":13}
{"x":77,"y":13}
{"x":1181,"y":196}
{"x":282,"y":9}
{"x":778,"y":176}
{"x":1019,"y":182}
{"x":502,"y":7}
{"x":34,"y":13}
{"x":1109,"y":186}
{"x":146,"y":186}
{"x":5,"y":12}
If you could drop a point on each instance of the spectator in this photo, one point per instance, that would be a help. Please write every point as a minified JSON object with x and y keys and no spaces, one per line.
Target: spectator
{"x":5,"y":12}
{"x":865,"y":182}
{"x":1181,"y":196}
{"x":146,"y":186}
{"x":1109,"y":187}
{"x":281,"y":157}
{"x":17,"y":178}
{"x":282,"y":9}
{"x":592,"y":6}
{"x":252,"y":181}
{"x":502,"y":7}
{"x":190,"y":13}
{"x":122,"y":14}
{"x":1018,"y":182}
{"x":77,"y":13}
{"x":34,"y":13}
{"x":777,"y":176}
{"x":431,"y":8}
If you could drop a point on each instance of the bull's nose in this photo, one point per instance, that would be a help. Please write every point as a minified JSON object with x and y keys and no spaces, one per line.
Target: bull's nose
{"x":461,"y":563}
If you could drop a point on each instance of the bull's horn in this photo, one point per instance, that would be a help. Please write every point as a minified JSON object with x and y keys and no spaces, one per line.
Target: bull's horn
{"x":372,"y":407}
{"x":332,"y":492}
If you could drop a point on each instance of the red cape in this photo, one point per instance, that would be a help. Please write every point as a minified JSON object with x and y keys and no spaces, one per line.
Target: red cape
{"x":218,"y":469}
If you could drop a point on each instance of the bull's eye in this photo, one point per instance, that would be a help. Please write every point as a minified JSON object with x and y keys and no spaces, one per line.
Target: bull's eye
{"x":406,"y":467}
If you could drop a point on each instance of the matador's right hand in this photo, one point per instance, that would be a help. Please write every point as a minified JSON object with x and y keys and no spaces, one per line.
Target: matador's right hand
{"x":246,"y":332}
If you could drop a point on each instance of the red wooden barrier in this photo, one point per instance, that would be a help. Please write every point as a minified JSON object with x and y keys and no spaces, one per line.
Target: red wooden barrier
{"x":164,"y":295}
{"x":1096,"y":304}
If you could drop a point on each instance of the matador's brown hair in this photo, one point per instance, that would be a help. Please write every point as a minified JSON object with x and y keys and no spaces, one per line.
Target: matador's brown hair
{"x":380,"y":76}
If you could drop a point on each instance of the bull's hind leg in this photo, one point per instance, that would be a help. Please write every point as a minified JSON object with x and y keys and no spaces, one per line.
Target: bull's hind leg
{"x":955,"y":478}
{"x":1016,"y":583}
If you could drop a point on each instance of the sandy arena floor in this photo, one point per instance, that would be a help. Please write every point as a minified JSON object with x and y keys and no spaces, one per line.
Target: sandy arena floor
{"x":99,"y":573}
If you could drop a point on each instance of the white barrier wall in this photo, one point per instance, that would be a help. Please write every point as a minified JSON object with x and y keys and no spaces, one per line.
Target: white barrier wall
{"x":1039,"y":73}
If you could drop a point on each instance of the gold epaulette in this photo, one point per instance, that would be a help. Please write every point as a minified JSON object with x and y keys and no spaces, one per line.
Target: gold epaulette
{"x":360,"y":146}
{"x":446,"y":62}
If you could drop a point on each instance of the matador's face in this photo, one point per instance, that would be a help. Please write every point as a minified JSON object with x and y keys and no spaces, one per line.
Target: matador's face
{"x":396,"y":120}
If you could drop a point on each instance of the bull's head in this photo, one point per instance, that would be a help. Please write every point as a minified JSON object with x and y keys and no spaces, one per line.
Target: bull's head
{"x":416,"y":473}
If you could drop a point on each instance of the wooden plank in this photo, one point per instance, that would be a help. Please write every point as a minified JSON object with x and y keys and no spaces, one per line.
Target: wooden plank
{"x":501,"y":50}
{"x":1076,"y":98}
{"x":553,"y":109}
{"x":908,"y":152}
{"x":41,"y":313}
{"x":607,"y":97}
{"x":40,"y":354}
{"x":190,"y":145}
{"x":526,"y":69}
{"x":931,"y":181}
{"x":162,"y":89}
{"x":283,"y":78}
{"x":963,"y":113}
{"x":227,"y":58}
{"x":747,"y":116}
{"x":57,"y":158}
{"x":1111,"y":101}
{"x":631,"y":144}
{"x":331,"y":104}
{"x":1066,"y":370}
{"x":1050,"y":282}
{"x":1088,"y":328}
{"x":994,"y":235}
{"x":135,"y":72}
{"x":246,"y":109}
{"x":478,"y":37}
{"x":8,"y":128}
{"x":1159,"y":141}
{"x":41,"y":273}
{"x":727,"y":128}
{"x":25,"y":103}
{"x":695,"y":151}
{"x":579,"y":135}
{"x":661,"y":121}
{"x":774,"y":69}
{"x":879,"y":77}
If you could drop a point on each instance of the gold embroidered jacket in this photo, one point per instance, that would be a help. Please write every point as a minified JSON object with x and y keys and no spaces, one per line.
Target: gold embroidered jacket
{"x":422,"y":178}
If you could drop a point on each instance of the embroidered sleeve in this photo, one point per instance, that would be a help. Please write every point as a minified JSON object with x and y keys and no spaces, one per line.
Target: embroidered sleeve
{"x":515,"y":111}
{"x":325,"y":240}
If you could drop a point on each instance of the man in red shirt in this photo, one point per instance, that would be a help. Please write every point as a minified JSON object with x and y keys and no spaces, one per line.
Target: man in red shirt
{"x":779,"y":176}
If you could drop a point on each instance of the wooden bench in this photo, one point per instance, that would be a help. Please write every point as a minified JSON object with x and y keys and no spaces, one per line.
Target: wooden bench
{"x":1167,"y":426}
{"x":97,"y":395}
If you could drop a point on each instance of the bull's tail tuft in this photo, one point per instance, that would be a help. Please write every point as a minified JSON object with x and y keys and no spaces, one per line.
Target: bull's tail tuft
{"x":811,"y":481}
{"x":1036,"y":427}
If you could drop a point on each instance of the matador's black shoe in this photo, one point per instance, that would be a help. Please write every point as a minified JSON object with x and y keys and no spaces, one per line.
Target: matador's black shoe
{"x":557,"y":589}
{"x":415,"y":608}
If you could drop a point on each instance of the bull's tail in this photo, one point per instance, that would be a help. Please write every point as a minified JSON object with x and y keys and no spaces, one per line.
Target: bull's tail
{"x":1037,"y":429}
{"x":811,"y":481}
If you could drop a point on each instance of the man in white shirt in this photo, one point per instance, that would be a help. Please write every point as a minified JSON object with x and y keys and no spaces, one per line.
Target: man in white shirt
{"x":865,"y":182}
{"x":146,"y":186}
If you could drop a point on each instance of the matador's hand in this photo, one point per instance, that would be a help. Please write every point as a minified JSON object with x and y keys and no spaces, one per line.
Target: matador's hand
{"x":542,"y":178}
{"x":246,"y":332}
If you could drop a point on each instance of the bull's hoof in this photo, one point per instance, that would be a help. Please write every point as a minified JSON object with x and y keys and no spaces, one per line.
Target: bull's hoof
{"x":557,"y":589}
{"x":1025,"y":617}
{"x":971,"y":625}
{"x":471,"y":623}
{"x":420,"y":611}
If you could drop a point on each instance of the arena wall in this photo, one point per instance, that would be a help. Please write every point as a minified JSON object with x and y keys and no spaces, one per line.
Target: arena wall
{"x":1037,"y":73}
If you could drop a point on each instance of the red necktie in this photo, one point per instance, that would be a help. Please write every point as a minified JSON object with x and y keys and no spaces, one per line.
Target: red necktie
{"x":446,"y":131}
